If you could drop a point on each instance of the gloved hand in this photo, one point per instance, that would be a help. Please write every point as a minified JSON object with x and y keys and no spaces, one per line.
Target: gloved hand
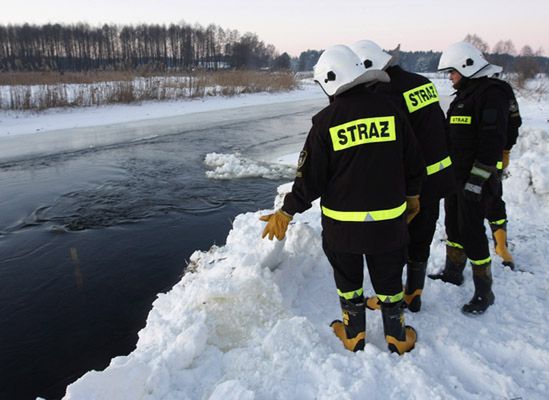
{"x":505,"y":158}
{"x":277,"y":224}
{"x":412,"y":207}
{"x":478,"y":176}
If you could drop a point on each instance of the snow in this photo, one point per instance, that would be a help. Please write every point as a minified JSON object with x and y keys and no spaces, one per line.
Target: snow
{"x":230,"y":166}
{"x":31,"y":134}
{"x":28,"y":122}
{"x":250,"y":320}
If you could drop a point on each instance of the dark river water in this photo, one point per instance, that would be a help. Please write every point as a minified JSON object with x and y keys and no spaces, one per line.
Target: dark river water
{"x":87,"y":241}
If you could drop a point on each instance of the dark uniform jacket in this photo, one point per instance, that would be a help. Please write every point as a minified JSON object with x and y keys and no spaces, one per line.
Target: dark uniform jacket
{"x":515,"y":121}
{"x":418,"y":97}
{"x":361,"y":158}
{"x":477,"y":124}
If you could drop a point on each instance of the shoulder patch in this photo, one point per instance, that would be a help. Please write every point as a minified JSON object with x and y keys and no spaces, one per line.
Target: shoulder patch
{"x":301,"y":159}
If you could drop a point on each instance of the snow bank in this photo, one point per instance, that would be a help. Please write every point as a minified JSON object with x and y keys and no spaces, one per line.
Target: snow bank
{"x":230,"y":166}
{"x":250,"y":320}
{"x":530,"y":172}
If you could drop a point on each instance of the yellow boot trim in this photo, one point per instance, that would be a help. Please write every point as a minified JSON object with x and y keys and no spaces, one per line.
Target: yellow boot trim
{"x":406,"y":345}
{"x":373,"y":303}
{"x":409,"y":297}
{"x":352,"y":344}
{"x":501,"y":245}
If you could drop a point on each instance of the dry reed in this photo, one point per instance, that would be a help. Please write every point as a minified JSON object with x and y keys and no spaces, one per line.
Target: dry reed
{"x":38,"y":91}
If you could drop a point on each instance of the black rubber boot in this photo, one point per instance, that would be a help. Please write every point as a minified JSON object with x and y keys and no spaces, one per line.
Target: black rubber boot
{"x":499,"y":234}
{"x":453,"y":270}
{"x":415,"y":281}
{"x":400,"y":338}
{"x":483,"y":297}
{"x":352,"y":330}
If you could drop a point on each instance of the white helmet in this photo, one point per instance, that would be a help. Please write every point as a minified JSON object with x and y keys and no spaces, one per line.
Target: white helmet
{"x":339,"y":69}
{"x":467,"y":60}
{"x":371,"y":55}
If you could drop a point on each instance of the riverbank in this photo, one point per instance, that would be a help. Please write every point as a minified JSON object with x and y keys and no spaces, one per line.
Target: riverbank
{"x":30,"y":134}
{"x":252,"y":319}
{"x":44,"y":90}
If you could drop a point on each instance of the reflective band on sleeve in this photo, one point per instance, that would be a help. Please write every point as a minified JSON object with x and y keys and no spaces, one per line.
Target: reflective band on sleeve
{"x":461,"y":120}
{"x":439,"y":166}
{"x":498,"y":222}
{"x":481,"y":262}
{"x":480,"y":172}
{"x":350,"y":295}
{"x":499,"y":165}
{"x":473,"y":188}
{"x":390,"y":298}
{"x":363,"y":131}
{"x":454,"y":244}
{"x":420,"y":97}
{"x":365,"y":216}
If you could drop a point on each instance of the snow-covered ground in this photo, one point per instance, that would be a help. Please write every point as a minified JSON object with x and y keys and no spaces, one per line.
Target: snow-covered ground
{"x":27,"y":122}
{"x":250,"y":320}
{"x":68,"y":130}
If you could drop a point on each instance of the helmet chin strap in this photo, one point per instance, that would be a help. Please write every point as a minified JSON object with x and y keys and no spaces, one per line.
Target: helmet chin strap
{"x":487,"y":70}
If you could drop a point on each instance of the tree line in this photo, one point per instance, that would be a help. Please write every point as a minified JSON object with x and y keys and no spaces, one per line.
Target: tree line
{"x":503,"y":53}
{"x":182,"y":47}
{"x":81,"y":47}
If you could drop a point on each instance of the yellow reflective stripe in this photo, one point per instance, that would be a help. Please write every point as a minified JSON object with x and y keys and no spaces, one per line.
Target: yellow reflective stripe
{"x":481,"y":262}
{"x":363,"y":131}
{"x":499,"y":165}
{"x":439,"y":166}
{"x":460,"y":120}
{"x":454,"y":244}
{"x":350,"y":295}
{"x":384,"y":298}
{"x":498,"y":222}
{"x":420,"y":97}
{"x":365,"y":216}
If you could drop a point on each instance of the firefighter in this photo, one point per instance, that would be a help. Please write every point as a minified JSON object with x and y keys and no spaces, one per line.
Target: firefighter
{"x":418,"y":98}
{"x":477,"y":123}
{"x":496,"y":212}
{"x":361,"y":158}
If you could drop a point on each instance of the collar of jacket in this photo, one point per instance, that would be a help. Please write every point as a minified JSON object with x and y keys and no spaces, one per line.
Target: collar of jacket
{"x":353,"y":90}
{"x":468,"y":85}
{"x":391,"y":69}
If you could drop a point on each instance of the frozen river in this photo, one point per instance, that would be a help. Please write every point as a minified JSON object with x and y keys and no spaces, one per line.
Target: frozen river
{"x":88,"y":238}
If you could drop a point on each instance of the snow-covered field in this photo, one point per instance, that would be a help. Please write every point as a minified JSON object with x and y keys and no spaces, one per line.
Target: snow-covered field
{"x":27,"y":122}
{"x":250,"y":320}
{"x":30,"y":134}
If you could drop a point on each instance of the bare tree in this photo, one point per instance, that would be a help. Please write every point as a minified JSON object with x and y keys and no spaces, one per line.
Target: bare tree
{"x":505,"y":47}
{"x":81,"y":47}
{"x":527,"y":51}
{"x":476,"y":41}
{"x":526,"y":66}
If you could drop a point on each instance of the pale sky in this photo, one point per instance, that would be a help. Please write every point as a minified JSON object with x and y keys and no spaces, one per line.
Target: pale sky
{"x":297,"y":25}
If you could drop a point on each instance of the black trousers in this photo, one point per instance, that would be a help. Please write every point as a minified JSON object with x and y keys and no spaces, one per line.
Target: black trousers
{"x":385,"y":270}
{"x":495,"y":206}
{"x":465,"y":224}
{"x":421,"y":231}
